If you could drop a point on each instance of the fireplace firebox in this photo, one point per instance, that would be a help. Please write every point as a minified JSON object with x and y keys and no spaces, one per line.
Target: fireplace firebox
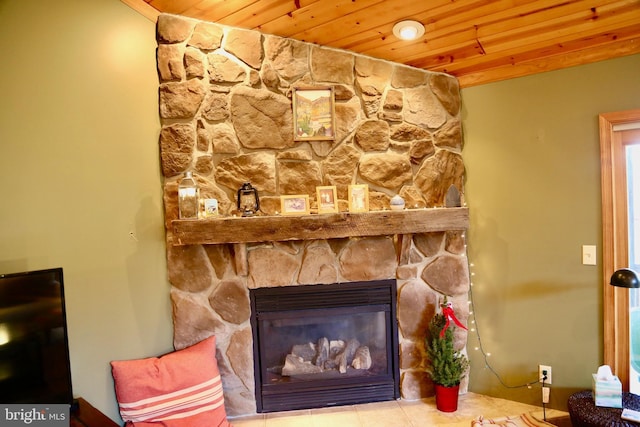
{"x":325,"y":345}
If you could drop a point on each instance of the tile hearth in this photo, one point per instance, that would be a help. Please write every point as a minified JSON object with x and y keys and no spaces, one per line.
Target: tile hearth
{"x":401,"y":413}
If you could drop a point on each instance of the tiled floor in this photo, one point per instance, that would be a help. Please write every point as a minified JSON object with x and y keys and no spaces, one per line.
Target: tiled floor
{"x":399,"y":413}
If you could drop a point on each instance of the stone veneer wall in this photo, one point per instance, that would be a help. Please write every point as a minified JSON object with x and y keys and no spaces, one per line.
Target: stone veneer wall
{"x":225,"y":108}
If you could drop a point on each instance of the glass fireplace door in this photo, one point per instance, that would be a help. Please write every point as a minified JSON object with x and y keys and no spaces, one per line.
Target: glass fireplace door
{"x":343,"y":352}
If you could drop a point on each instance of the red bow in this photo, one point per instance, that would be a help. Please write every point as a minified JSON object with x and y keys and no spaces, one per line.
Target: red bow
{"x":449,"y":314}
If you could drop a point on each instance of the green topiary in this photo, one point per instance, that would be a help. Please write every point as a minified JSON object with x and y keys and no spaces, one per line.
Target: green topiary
{"x":448,"y":366}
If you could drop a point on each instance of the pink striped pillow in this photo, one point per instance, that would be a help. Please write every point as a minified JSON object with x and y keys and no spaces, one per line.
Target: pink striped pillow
{"x":179,"y":389}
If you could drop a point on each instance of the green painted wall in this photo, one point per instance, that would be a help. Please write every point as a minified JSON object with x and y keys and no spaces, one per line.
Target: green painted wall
{"x":533,"y":188}
{"x":81,"y":178}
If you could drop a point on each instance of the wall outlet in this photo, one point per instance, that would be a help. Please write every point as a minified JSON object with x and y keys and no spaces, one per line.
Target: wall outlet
{"x":542,"y":369}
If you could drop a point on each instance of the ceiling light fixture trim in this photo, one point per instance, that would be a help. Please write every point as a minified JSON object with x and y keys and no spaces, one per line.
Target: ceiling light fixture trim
{"x":408,"y":29}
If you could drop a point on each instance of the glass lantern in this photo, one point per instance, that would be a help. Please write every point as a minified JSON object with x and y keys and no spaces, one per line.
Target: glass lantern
{"x":248,"y":200}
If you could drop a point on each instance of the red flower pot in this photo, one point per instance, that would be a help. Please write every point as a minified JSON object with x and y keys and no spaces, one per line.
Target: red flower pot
{"x":447,"y":398}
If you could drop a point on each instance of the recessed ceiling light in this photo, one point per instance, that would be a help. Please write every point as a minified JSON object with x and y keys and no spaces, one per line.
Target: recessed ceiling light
{"x":408,"y":30}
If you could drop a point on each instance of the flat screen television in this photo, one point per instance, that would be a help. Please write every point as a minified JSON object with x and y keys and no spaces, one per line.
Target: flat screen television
{"x":34,"y":350}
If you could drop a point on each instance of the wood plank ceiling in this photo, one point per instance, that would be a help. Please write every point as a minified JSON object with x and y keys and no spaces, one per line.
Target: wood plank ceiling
{"x":478,"y":41}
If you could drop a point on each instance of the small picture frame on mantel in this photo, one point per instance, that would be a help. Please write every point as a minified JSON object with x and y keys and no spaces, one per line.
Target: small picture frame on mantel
{"x":294,"y":205}
{"x":359,"y":198}
{"x":314,"y":113}
{"x":210,"y":208}
{"x":327,"y":198}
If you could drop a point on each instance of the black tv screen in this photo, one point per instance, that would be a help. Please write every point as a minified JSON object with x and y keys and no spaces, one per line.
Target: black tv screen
{"x":34,"y":350}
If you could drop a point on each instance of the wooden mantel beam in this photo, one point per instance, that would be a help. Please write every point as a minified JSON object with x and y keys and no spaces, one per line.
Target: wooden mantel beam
{"x":312,"y":227}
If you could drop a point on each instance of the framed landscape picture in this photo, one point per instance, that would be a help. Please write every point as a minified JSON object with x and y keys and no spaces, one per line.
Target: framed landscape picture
{"x":327,"y":198}
{"x":359,"y":198}
{"x":294,"y":205}
{"x":314,"y":114}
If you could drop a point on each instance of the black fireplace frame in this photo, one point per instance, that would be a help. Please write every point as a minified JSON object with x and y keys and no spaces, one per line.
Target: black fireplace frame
{"x":379,"y":295}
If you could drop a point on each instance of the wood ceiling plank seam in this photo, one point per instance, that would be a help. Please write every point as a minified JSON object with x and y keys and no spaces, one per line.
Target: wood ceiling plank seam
{"x":432,"y":36}
{"x":566,"y":33}
{"x":463,"y":18}
{"x":216,"y":10}
{"x":308,"y":19}
{"x":563,"y":34}
{"x":566,"y":21}
{"x":491,"y":32}
{"x":446,"y":56}
{"x":417,"y":50}
{"x":286,"y":17}
{"x":490,"y":13}
{"x":264,"y":11}
{"x":367,"y":35}
{"x":349,"y":42}
{"x":486,"y":13}
{"x":443,"y":54}
{"x":254,"y":15}
{"x":515,"y":22}
{"x":378,"y":16}
{"x":364,"y":41}
{"x":305,"y":18}
{"x":383,"y":13}
{"x":174,"y":7}
{"x":289,"y":26}
{"x":451,"y":10}
{"x":381,"y":49}
{"x":424,"y":47}
{"x":617,"y":49}
{"x":417,"y":55}
{"x":440,"y":63}
{"x":483,"y":52}
{"x":542,"y":50}
{"x":453,"y":29}
{"x":260,"y":7}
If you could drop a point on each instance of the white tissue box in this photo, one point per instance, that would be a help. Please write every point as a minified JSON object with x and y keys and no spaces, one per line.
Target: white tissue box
{"x":607,"y":393}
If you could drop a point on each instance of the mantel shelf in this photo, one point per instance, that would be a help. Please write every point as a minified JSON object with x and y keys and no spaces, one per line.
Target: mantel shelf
{"x":312,"y":227}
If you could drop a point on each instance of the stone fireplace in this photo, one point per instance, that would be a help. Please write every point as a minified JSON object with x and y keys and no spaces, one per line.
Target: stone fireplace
{"x":226,"y":115}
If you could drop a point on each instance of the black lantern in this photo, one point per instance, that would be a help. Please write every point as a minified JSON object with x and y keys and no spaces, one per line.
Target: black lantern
{"x":248,"y":201}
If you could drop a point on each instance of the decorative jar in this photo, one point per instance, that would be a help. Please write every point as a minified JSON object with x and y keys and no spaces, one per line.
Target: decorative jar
{"x":188,"y":202}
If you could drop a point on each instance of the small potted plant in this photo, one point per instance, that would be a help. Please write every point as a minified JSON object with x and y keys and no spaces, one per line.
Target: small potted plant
{"x":448,"y":366}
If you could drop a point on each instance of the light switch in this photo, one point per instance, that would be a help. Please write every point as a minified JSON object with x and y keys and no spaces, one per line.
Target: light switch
{"x":589,"y":254}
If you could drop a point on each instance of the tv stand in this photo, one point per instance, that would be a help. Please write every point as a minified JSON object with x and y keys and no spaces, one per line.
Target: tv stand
{"x":83,"y":414}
